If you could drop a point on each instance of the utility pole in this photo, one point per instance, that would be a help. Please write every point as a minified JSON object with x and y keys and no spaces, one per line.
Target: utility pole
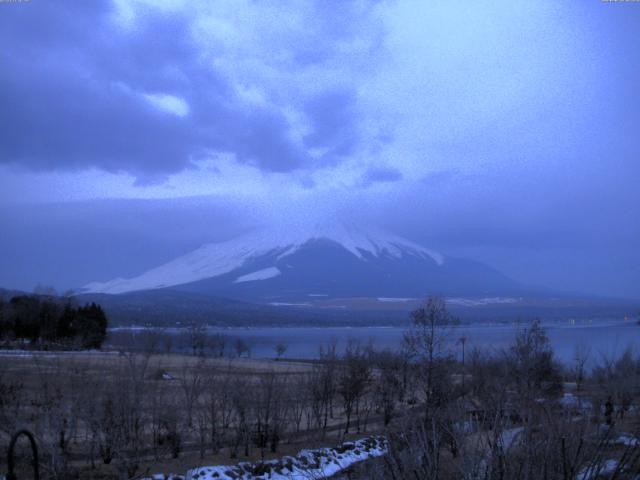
{"x":463,"y":340}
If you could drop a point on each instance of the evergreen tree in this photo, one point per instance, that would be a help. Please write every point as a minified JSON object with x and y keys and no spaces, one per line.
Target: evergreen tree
{"x":25,"y":310}
{"x":66,"y":322}
{"x":92,"y":326}
{"x":45,"y":320}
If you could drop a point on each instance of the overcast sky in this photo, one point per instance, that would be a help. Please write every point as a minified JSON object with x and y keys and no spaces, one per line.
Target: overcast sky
{"x":505,"y":131}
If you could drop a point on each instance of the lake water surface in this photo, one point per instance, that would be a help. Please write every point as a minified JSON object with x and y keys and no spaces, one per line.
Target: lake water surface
{"x":604,"y":338}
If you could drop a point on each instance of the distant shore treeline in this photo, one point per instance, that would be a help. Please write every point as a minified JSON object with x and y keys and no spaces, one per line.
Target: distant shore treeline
{"x":51,"y":322}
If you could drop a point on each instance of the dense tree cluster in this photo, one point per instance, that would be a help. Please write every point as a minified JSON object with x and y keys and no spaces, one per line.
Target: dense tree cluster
{"x":48,"y":322}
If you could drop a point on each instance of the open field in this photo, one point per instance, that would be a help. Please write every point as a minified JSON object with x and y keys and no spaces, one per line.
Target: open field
{"x":148,"y":413}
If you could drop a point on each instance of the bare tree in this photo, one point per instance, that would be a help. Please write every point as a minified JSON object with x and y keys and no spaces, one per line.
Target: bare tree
{"x":167,"y":342}
{"x":299,"y":398}
{"x":191,"y":384}
{"x":269,"y":412}
{"x":217,"y":343}
{"x":619,"y":380}
{"x":122,"y":415}
{"x":197,"y":338}
{"x":241,"y":401}
{"x":157,"y":408}
{"x":151,"y":340}
{"x":218,"y":408}
{"x":241,"y":347}
{"x":427,"y":342}
{"x":323,"y":386}
{"x":353,"y":379}
{"x":581,"y":356}
{"x":280,"y":350}
{"x":388,"y":384}
{"x":533,"y":369}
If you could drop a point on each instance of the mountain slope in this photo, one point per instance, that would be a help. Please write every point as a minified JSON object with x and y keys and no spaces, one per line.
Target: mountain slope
{"x":299,"y":263}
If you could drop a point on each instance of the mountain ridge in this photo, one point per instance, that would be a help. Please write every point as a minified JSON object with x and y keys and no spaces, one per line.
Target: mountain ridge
{"x":216,"y":259}
{"x":336,"y":261}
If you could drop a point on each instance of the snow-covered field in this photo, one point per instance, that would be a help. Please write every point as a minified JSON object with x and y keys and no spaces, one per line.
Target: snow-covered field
{"x":317,"y":464}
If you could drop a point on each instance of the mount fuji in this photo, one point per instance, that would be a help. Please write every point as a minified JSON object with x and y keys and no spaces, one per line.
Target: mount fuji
{"x":304,"y":264}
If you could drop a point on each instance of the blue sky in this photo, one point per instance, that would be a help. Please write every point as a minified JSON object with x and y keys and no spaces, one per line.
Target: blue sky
{"x":506,"y":131}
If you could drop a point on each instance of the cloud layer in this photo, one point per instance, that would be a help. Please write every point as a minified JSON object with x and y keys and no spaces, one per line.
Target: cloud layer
{"x":146,"y":90}
{"x":499,"y":129}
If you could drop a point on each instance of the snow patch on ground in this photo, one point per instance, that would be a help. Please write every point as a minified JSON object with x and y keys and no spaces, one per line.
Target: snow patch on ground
{"x":316,"y":464}
{"x":569,"y":400}
{"x":258,"y":275}
{"x":164,"y":476}
{"x":573,"y":402}
{"x":627,"y":440}
{"x":594,"y":471}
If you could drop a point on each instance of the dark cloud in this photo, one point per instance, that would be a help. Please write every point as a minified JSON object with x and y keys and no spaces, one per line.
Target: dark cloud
{"x":71,"y":88}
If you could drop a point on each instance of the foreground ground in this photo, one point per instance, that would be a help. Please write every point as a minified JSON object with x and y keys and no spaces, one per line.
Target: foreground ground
{"x":516,"y":414}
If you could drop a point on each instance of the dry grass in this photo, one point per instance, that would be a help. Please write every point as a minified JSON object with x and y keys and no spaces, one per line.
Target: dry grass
{"x":165,"y":374}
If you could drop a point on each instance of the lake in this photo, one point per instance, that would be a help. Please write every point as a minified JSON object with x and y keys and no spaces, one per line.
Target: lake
{"x":604,"y":338}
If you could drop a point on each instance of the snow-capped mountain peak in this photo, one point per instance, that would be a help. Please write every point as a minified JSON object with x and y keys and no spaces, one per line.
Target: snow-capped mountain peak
{"x":270,"y":245}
